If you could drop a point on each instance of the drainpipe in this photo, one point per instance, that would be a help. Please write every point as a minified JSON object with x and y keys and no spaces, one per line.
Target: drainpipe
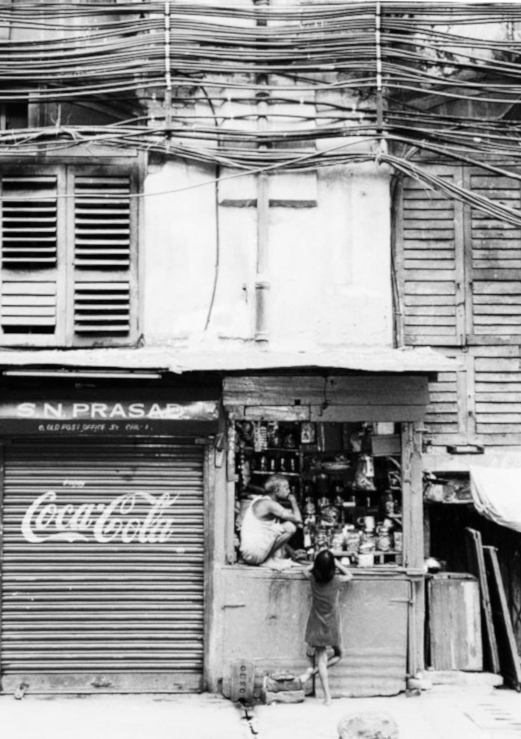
{"x":262,"y":282}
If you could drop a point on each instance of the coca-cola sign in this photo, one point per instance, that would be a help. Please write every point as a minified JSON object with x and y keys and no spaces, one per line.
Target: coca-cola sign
{"x":129,"y":518}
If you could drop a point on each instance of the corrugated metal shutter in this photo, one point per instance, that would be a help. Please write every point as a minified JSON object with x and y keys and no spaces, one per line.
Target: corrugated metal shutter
{"x":88,"y":615}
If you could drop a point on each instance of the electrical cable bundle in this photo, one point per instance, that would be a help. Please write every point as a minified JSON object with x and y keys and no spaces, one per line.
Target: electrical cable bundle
{"x":186,"y":79}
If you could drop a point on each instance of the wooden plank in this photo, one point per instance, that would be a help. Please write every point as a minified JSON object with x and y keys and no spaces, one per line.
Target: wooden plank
{"x":455,"y":623}
{"x":495,"y":312}
{"x":500,"y":377}
{"x":427,"y":333}
{"x":427,"y":244}
{"x":501,"y":364}
{"x":431,"y":288}
{"x":494,"y":408}
{"x":277,"y":413}
{"x":476,"y":564}
{"x":430,"y":275}
{"x":431,"y":311}
{"x":352,"y":413}
{"x":416,"y":263}
{"x":510,"y":666}
{"x":498,"y":428}
{"x":507,"y":439}
{"x":498,"y":397}
{"x":439,"y":417}
{"x":381,"y":390}
{"x":275,"y":390}
{"x":437,"y":430}
{"x":435,"y":319}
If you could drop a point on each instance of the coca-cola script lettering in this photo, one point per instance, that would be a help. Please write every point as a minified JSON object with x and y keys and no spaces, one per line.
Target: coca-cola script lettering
{"x":133,"y":517}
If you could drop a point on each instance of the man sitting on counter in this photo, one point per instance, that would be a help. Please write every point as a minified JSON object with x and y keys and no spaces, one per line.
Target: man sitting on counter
{"x":267,"y":525}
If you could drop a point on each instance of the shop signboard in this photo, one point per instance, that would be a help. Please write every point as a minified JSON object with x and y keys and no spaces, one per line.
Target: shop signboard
{"x":114,"y":416}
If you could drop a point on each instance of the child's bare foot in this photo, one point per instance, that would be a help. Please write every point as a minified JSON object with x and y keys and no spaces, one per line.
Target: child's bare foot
{"x":306,"y":675}
{"x":328,"y":702}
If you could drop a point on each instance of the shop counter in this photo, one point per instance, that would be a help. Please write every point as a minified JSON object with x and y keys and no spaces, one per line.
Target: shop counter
{"x":264,"y":615}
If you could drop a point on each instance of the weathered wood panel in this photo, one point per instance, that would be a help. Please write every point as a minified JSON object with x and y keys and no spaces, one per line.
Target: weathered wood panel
{"x":455,"y":623}
{"x":378,"y":390}
{"x":430,"y":266}
{"x":367,"y":398}
{"x":476,"y":564}
{"x":274,"y":390}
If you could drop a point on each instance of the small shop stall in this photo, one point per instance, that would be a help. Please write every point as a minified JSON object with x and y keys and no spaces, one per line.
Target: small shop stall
{"x":350,"y":447}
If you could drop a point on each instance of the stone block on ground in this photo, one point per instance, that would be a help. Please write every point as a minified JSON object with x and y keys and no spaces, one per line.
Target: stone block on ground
{"x":367,"y":726}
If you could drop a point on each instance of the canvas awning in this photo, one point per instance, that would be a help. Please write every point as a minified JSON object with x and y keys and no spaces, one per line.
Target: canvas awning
{"x":496,"y":492}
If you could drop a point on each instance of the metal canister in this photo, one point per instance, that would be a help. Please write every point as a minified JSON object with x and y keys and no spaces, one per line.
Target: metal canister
{"x":352,"y":540}
{"x":322,"y":540}
{"x":383,"y":539}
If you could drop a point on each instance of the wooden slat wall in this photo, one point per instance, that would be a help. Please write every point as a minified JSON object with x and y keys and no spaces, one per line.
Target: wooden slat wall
{"x":494,"y":274}
{"x":497,"y":387}
{"x":481,"y":266}
{"x":431,"y":268}
{"x":128,"y":614}
{"x":442,"y":412}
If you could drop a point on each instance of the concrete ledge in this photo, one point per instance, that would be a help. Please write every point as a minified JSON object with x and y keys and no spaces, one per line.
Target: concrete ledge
{"x":458,"y":678}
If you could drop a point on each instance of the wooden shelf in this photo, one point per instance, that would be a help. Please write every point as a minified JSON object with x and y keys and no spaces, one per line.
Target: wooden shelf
{"x":276,"y":472}
{"x":280,"y":449}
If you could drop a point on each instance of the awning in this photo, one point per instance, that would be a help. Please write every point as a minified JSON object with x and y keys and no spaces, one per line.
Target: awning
{"x":496,"y":492}
{"x":180,"y":360}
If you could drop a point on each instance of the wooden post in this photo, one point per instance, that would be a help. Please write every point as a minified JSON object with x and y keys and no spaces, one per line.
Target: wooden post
{"x":412,"y":486}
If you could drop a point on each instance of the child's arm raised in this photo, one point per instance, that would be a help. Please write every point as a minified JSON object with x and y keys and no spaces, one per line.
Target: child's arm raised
{"x":346,"y":575}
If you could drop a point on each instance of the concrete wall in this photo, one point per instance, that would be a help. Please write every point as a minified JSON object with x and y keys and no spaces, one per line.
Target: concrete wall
{"x":328,"y":257}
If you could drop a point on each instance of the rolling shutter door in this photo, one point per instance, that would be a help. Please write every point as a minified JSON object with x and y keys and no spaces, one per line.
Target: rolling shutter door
{"x":100,"y":603}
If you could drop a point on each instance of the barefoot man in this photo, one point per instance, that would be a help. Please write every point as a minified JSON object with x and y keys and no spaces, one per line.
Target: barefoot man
{"x":267,"y":525}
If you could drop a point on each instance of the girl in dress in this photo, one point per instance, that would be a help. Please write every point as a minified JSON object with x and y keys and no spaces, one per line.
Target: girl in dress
{"x":323,"y":627}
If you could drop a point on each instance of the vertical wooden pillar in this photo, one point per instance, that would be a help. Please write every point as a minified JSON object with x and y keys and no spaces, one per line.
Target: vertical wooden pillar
{"x":412,"y":483}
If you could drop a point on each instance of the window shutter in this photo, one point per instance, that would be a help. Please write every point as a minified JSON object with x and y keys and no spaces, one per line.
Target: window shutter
{"x":29,"y":286}
{"x":29,"y":222}
{"x":494,"y":263}
{"x":28,"y":307}
{"x":104,"y":226}
{"x":102,"y":223}
{"x":430,"y":263}
{"x":102,"y":308}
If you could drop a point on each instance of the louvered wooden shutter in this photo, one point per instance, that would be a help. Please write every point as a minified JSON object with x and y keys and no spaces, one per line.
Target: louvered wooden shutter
{"x":494,"y":263}
{"x":104,"y":234}
{"x":430,"y":259}
{"x":32,"y":219}
{"x":29,"y":222}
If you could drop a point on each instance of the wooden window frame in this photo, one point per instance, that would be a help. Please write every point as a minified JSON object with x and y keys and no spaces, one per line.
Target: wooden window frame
{"x":67,"y":274}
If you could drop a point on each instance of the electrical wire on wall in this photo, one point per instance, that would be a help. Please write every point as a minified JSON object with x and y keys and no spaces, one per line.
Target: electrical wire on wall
{"x":336,"y":72}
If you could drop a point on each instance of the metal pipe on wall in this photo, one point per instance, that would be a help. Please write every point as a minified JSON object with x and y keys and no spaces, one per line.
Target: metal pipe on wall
{"x":262,"y":282}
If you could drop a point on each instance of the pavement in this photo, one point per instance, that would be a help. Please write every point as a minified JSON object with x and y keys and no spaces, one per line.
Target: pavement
{"x":443,"y":712}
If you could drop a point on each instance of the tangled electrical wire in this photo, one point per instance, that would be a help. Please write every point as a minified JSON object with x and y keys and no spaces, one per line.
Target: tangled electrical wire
{"x":193,"y":80}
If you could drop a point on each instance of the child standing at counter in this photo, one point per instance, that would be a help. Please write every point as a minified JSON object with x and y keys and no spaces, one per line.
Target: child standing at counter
{"x":323,"y":627}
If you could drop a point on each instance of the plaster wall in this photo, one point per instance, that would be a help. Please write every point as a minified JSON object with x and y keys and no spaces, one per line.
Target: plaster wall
{"x":328,"y":257}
